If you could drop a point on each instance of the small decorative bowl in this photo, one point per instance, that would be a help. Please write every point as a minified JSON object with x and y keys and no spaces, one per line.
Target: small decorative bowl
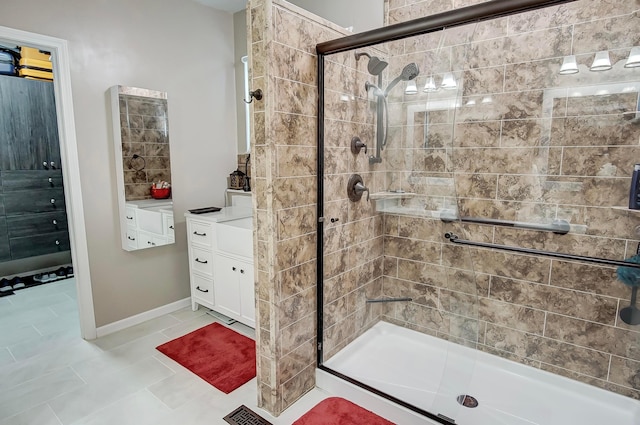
{"x":160,"y":193}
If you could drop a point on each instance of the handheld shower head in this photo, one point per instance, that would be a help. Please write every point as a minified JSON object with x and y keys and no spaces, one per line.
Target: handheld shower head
{"x":409,"y":72}
{"x":375,"y":65}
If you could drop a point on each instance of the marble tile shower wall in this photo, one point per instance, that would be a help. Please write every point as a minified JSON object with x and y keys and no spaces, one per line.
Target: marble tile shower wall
{"x":145,"y":132}
{"x":353,"y":233}
{"x":284,"y":172}
{"x":536,"y":152}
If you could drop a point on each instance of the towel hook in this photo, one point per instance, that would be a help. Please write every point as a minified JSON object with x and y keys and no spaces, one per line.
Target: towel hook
{"x":255,"y":94}
{"x":144,"y":162}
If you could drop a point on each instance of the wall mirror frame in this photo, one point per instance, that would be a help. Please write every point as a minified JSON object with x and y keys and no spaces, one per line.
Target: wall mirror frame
{"x":143,"y":167}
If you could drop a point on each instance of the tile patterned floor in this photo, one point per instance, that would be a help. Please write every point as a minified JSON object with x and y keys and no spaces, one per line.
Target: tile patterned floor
{"x":50,"y":376}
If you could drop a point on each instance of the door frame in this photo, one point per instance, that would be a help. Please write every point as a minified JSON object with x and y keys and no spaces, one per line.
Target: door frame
{"x":70,"y":166}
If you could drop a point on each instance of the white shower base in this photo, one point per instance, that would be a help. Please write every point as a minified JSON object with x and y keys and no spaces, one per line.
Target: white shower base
{"x":430,"y":373}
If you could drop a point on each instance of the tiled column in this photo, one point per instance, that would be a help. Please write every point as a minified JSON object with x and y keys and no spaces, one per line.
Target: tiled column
{"x":282,"y":41}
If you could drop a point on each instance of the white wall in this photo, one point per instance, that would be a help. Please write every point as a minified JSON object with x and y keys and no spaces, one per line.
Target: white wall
{"x":362,"y":15}
{"x":176,"y":46}
{"x":240,"y":43}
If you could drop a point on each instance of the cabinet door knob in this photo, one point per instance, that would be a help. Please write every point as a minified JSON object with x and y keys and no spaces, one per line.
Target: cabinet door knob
{"x":201,"y":261}
{"x":53,"y":201}
{"x":45,"y":165}
{"x":54,"y":221}
{"x":233,"y":268}
{"x":201,"y":290}
{"x":130,"y":238}
{"x":242,"y":271}
{"x":57,"y":242}
{"x":53,"y":164}
{"x":51,"y":181}
{"x":171,"y":227}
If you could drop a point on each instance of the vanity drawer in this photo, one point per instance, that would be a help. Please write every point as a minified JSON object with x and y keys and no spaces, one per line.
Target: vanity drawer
{"x":150,"y":240}
{"x":201,"y":233}
{"x":168,"y":226}
{"x":202,"y":288}
{"x":132,"y":238}
{"x":130,"y":217}
{"x":202,"y":261}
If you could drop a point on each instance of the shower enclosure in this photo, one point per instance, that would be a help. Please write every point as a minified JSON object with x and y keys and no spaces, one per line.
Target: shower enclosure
{"x":474,"y":169}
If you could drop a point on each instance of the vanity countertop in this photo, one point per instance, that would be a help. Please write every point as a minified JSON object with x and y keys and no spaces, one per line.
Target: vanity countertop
{"x":225,"y":214}
{"x":150,"y":203}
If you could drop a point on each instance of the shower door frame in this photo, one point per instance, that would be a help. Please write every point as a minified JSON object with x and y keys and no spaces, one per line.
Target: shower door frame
{"x":480,"y":12}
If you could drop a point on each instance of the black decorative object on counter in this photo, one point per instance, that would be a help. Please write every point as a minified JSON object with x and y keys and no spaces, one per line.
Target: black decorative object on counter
{"x":205,"y":210}
{"x":247,"y":186}
{"x":236,"y":180}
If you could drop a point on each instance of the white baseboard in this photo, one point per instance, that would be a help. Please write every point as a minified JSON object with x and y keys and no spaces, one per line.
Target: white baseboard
{"x":142,"y":317}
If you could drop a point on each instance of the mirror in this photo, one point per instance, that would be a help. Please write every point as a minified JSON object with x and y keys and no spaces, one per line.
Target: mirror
{"x":143,"y":167}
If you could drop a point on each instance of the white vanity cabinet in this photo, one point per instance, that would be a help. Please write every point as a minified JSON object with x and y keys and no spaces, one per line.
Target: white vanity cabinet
{"x":132,"y":228}
{"x":221,"y":263}
{"x":201,"y":239}
{"x":149,"y":223}
{"x":234,"y":288}
{"x":168,"y":226}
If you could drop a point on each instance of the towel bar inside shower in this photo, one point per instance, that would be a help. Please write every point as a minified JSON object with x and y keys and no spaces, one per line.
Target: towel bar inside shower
{"x":560,"y":227}
{"x":595,"y":260}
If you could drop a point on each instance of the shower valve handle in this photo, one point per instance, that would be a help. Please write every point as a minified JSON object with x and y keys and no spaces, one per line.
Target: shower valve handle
{"x":357,"y":145}
{"x":360,"y":189}
{"x":356,"y":187}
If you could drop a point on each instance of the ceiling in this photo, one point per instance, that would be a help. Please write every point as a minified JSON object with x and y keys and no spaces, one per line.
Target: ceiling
{"x":230,"y":6}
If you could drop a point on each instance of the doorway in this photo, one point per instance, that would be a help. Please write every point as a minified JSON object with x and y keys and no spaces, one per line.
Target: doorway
{"x":70,"y":166}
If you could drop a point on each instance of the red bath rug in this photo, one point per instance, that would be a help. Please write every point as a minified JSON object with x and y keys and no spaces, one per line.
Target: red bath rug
{"x":217,"y":354}
{"x":338,"y":411}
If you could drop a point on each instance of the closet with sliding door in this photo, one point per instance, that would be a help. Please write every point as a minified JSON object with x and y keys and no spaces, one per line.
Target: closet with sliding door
{"x":33,"y":221}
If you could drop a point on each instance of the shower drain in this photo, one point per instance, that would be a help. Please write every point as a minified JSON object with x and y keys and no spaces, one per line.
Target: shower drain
{"x":467,"y":401}
{"x":245,"y":416}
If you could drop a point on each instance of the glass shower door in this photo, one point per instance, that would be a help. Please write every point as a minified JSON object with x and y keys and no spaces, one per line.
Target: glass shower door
{"x":397,"y":298}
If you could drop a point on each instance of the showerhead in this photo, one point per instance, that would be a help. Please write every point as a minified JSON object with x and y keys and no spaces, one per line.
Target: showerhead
{"x":409,"y":72}
{"x":375,"y":65}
